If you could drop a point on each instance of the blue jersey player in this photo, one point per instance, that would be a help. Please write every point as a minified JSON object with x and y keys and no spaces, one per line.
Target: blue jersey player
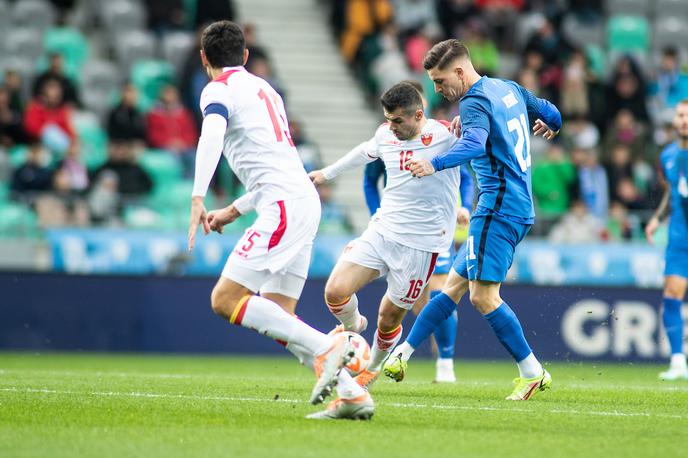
{"x":495,"y":120}
{"x":674,"y":162}
{"x":445,"y":334}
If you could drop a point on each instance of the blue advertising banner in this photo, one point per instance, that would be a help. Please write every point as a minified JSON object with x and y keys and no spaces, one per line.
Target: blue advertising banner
{"x":172,"y":314}
{"x":120,"y":251}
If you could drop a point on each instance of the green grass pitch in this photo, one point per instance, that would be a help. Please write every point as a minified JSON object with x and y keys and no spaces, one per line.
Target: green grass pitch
{"x":123,"y":405}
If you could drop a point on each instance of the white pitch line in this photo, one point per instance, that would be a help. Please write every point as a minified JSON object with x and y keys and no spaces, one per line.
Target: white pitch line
{"x":578,"y":384}
{"x":134,"y":394}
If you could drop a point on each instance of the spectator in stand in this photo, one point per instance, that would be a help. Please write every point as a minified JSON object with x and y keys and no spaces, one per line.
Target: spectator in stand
{"x":618,"y":225}
{"x":453,"y":15}
{"x":104,"y":201}
{"x":484,"y":52}
{"x":33,"y":176}
{"x":592,"y":182}
{"x":13,"y":83}
{"x":63,"y":206}
{"x":48,"y":118}
{"x":74,"y":175}
{"x":125,"y":121}
{"x":208,"y":11}
{"x":627,"y":90}
{"x":362,"y":18}
{"x":549,"y":42}
{"x":629,"y":195}
{"x":193,"y":79}
{"x":11,"y":130}
{"x":671,"y":84}
{"x":411,"y":16}
{"x":390,"y":66}
{"x":579,"y":131}
{"x":619,"y":167}
{"x":554,"y":182}
{"x":574,"y":88}
{"x":132,"y":179}
{"x":627,"y":131}
{"x":502,"y":16}
{"x":56,"y":72}
{"x":165,"y":15}
{"x":577,"y":226}
{"x":170,"y":126}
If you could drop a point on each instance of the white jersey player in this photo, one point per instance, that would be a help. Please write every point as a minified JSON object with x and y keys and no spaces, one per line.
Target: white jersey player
{"x":244,"y":119}
{"x":414,"y":223}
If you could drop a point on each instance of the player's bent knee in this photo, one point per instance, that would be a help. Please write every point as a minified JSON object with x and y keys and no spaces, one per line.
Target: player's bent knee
{"x":336,"y":291}
{"x":223,"y":302}
{"x":389,"y":320}
{"x":483,"y":301}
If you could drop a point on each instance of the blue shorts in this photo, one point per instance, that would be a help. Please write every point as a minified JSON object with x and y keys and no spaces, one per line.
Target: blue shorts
{"x":489,"y":251}
{"x":676,"y":260}
{"x":445,"y":261}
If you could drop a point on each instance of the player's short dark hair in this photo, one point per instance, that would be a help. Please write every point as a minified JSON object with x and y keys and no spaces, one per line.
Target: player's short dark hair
{"x":416,"y":84}
{"x":443,"y":53}
{"x":670,"y":51}
{"x":402,"y":95}
{"x":683,"y":101}
{"x":223,"y":44}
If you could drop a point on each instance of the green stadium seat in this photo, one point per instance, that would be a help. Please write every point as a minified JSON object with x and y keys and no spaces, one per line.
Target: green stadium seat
{"x":163,"y":167}
{"x":597,"y":60}
{"x":70,"y":43}
{"x":17,"y":220}
{"x":628,"y":34}
{"x":93,"y":142}
{"x":149,"y":76}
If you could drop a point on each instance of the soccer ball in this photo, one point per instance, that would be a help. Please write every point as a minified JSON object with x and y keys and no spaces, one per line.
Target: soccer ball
{"x":361,"y":358}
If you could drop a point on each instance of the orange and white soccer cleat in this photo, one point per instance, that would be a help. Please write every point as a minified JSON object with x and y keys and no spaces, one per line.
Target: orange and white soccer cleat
{"x":366,"y":378}
{"x":327,"y":366}
{"x":360,"y":408}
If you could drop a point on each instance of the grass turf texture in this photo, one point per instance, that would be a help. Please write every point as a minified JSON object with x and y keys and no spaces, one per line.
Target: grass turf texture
{"x":105,"y":405}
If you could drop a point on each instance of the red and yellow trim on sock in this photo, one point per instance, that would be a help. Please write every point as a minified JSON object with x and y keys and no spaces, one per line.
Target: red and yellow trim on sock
{"x":335,"y":308}
{"x":240,"y":310}
{"x":391,"y":335}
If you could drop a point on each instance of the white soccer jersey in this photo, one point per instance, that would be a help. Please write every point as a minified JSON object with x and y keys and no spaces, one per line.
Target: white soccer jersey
{"x":418,"y":213}
{"x":257,"y":144}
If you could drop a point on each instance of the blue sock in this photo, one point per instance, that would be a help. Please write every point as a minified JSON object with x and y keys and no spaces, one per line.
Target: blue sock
{"x":673,"y":324}
{"x":437,"y":311}
{"x":509,"y":331}
{"x":445,"y":334}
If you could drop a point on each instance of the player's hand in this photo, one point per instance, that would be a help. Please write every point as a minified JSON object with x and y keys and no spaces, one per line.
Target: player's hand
{"x":541,"y":128}
{"x":456,"y":126}
{"x":419,"y":167}
{"x":650,"y":230}
{"x":198,"y":216}
{"x":463,"y":217}
{"x":317,"y":177}
{"x":218,"y":219}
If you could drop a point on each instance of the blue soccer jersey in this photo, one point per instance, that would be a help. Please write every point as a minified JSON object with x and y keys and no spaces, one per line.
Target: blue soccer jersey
{"x":674,"y":162}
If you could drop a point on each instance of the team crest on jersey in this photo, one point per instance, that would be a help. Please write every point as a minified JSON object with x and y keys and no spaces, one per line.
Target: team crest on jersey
{"x":426,"y":139}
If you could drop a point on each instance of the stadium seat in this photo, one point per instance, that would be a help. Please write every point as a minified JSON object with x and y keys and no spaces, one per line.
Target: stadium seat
{"x":122,"y":16}
{"x":33,"y":15}
{"x":100,"y":81}
{"x":628,"y":7}
{"x":671,"y":8}
{"x":23,"y":44}
{"x":176,"y":47}
{"x":149,"y":76}
{"x":582,"y":33}
{"x":68,"y":42}
{"x":628,"y":33}
{"x":670,"y":31}
{"x":596,"y":59}
{"x":135,"y":45}
{"x":17,"y":220}
{"x":163,"y":167}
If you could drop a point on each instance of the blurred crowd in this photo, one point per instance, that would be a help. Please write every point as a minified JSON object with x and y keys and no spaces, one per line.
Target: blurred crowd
{"x":117,"y":149}
{"x":615,"y":86}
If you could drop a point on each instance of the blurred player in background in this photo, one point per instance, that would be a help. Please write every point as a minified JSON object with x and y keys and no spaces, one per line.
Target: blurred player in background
{"x":445,"y":334}
{"x":495,"y":138}
{"x":415,"y":222}
{"x":244,"y":119}
{"x":674,"y":167}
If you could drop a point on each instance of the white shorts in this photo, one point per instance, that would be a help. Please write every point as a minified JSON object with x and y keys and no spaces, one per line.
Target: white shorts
{"x":274,"y":254}
{"x":408,"y":270}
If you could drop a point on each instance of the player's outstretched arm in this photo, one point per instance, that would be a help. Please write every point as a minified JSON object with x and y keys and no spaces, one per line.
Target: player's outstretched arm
{"x":659,"y":215}
{"x":360,"y":155}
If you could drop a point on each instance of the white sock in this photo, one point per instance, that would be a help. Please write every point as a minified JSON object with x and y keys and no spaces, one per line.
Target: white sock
{"x":530,"y":367}
{"x":303,"y":354}
{"x":347,"y":313}
{"x":268,"y":318}
{"x":382,"y":347}
{"x":678,"y":361}
{"x":405,"y":349}
{"x":347,"y":388}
